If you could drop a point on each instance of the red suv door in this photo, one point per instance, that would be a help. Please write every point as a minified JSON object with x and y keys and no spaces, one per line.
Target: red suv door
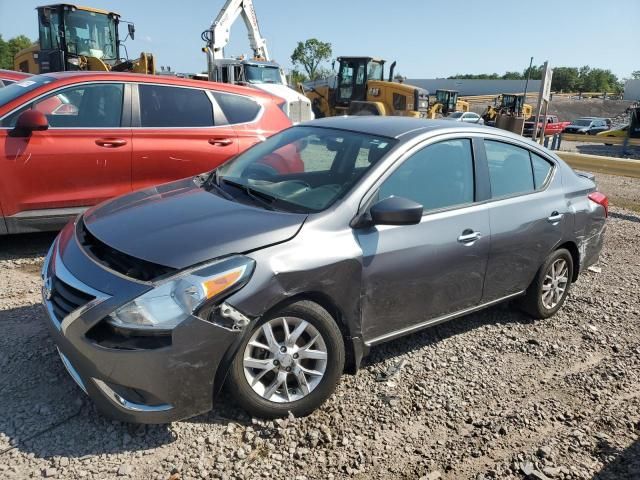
{"x":84,"y":156}
{"x":177,"y":133}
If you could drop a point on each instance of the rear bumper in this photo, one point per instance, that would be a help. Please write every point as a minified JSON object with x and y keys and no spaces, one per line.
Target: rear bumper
{"x":142,"y":385}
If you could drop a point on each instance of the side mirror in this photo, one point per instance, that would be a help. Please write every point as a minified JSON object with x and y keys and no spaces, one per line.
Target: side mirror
{"x":396,"y":211}
{"x":131,"y":28}
{"x":30,"y":121}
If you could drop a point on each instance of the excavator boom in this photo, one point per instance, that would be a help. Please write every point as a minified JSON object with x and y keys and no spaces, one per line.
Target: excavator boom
{"x":217,"y":37}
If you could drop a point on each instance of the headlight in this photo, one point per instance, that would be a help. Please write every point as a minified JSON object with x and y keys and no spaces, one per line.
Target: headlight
{"x":173,"y":301}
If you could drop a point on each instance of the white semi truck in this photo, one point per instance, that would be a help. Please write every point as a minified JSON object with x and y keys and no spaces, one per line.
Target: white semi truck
{"x":259,"y":72}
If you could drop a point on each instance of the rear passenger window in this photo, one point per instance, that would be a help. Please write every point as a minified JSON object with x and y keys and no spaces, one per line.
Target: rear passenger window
{"x":510,"y":170}
{"x":541,"y":170}
{"x":236,"y":108}
{"x":162,"y":106}
{"x":438,"y":176}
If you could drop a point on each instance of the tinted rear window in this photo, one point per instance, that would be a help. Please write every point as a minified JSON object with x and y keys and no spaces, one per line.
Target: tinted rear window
{"x":236,"y":108}
{"x":162,"y":106}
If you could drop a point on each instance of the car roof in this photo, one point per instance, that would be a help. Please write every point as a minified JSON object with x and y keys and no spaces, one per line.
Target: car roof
{"x":67,"y":77}
{"x":393,"y":127}
{"x":13,"y":75}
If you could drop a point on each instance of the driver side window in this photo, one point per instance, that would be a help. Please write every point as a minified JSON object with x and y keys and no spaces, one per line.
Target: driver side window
{"x":82,"y":106}
{"x":438,"y":176}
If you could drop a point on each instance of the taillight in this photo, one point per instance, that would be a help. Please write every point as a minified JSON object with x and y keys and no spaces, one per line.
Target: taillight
{"x":600,"y":199}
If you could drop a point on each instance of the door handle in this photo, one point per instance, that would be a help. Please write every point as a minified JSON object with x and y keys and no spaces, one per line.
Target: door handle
{"x":555,"y":217}
{"x":221,"y":142}
{"x":111,"y":142}
{"x":469,"y":236}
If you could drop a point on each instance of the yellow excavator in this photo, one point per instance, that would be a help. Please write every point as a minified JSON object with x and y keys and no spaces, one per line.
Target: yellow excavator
{"x":511,"y":104}
{"x":360,"y":89}
{"x":79,"y":38}
{"x":446,"y":102}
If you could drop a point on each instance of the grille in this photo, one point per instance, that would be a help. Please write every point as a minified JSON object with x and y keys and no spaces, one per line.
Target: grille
{"x":119,"y":261}
{"x":65,"y":298}
{"x":299,"y":111}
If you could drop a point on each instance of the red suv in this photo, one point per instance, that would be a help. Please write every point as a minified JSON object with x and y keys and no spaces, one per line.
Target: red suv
{"x":71,"y":140}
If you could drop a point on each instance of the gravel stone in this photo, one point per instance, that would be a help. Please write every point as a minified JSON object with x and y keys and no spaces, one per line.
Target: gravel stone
{"x":476,"y":398}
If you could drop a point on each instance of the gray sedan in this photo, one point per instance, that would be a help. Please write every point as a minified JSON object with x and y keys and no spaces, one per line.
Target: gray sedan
{"x":279,"y":270}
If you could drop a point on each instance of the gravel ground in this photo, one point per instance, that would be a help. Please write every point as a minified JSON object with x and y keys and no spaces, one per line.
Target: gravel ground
{"x":491,"y":395}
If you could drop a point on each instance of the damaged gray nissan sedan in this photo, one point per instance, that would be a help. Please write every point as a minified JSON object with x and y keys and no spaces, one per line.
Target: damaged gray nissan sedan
{"x":279,"y":270}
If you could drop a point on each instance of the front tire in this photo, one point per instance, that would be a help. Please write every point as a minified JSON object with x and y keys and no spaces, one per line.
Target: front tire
{"x":290,"y":362}
{"x":549,"y":289}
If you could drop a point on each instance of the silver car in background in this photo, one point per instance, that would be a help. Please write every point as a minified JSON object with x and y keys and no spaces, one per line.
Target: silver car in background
{"x":467,"y":117}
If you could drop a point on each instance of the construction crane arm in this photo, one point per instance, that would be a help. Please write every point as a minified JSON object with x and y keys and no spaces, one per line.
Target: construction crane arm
{"x":217,"y":37}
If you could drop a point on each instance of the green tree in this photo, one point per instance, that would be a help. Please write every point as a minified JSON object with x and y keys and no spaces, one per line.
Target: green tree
{"x":635,"y":75}
{"x":536,"y":72}
{"x":565,"y":79}
{"x":597,"y":80}
{"x":296,"y":77}
{"x":9,"y":48}
{"x":310,"y":54}
{"x":512,"y":76}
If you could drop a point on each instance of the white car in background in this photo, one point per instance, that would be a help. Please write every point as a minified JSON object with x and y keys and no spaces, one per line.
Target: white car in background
{"x":468,"y":117}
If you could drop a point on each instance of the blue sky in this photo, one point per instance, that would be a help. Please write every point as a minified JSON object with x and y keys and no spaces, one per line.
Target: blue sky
{"x":428,"y":39}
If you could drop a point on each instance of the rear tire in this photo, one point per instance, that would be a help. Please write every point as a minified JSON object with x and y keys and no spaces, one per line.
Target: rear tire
{"x":550,"y":287}
{"x":320,"y":362}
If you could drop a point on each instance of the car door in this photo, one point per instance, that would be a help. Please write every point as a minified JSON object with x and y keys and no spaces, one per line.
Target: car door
{"x":178,"y":132}
{"x":242,"y":113}
{"x":84,"y":157}
{"x":414,"y":274}
{"x":527,"y":214}
{"x":600,"y":126}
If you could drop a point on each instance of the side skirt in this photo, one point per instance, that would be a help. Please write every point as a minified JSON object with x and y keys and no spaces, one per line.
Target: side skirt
{"x":434,"y":321}
{"x":46,"y":220}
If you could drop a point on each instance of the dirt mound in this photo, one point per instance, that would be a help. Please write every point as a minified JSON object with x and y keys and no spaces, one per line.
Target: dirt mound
{"x":568,"y":110}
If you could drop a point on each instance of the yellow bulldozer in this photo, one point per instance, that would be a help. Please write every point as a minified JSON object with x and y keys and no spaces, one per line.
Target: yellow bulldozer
{"x":446,"y":102}
{"x":79,"y":38}
{"x":507,"y":104}
{"x":360,"y":88}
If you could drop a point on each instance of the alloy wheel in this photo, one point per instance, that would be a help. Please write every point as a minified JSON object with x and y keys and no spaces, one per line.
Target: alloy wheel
{"x":555,"y":283}
{"x":285,"y":359}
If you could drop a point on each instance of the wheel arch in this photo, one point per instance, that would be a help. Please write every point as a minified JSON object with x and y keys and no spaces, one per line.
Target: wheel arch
{"x":575,"y":257}
{"x":353,"y":345}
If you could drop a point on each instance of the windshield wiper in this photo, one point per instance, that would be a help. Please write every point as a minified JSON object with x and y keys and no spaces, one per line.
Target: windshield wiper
{"x":212,"y":182}
{"x":252,"y":193}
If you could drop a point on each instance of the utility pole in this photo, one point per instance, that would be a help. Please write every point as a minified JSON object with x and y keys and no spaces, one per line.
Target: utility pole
{"x":526,"y":85}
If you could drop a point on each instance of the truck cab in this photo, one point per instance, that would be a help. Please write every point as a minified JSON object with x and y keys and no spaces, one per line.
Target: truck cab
{"x":353,"y":75}
{"x":448,"y":99}
{"x":72,"y":38}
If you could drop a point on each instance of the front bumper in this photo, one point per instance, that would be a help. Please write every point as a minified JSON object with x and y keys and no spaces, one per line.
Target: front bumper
{"x":142,"y":385}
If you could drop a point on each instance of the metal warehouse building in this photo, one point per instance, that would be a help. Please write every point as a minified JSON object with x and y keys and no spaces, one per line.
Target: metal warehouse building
{"x":475,"y":87}
{"x":632,"y":90}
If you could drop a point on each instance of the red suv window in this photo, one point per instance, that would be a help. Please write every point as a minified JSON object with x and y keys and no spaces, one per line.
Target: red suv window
{"x":162,"y":106}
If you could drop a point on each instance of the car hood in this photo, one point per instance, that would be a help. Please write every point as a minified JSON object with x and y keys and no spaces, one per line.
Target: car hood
{"x":180,"y":224}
